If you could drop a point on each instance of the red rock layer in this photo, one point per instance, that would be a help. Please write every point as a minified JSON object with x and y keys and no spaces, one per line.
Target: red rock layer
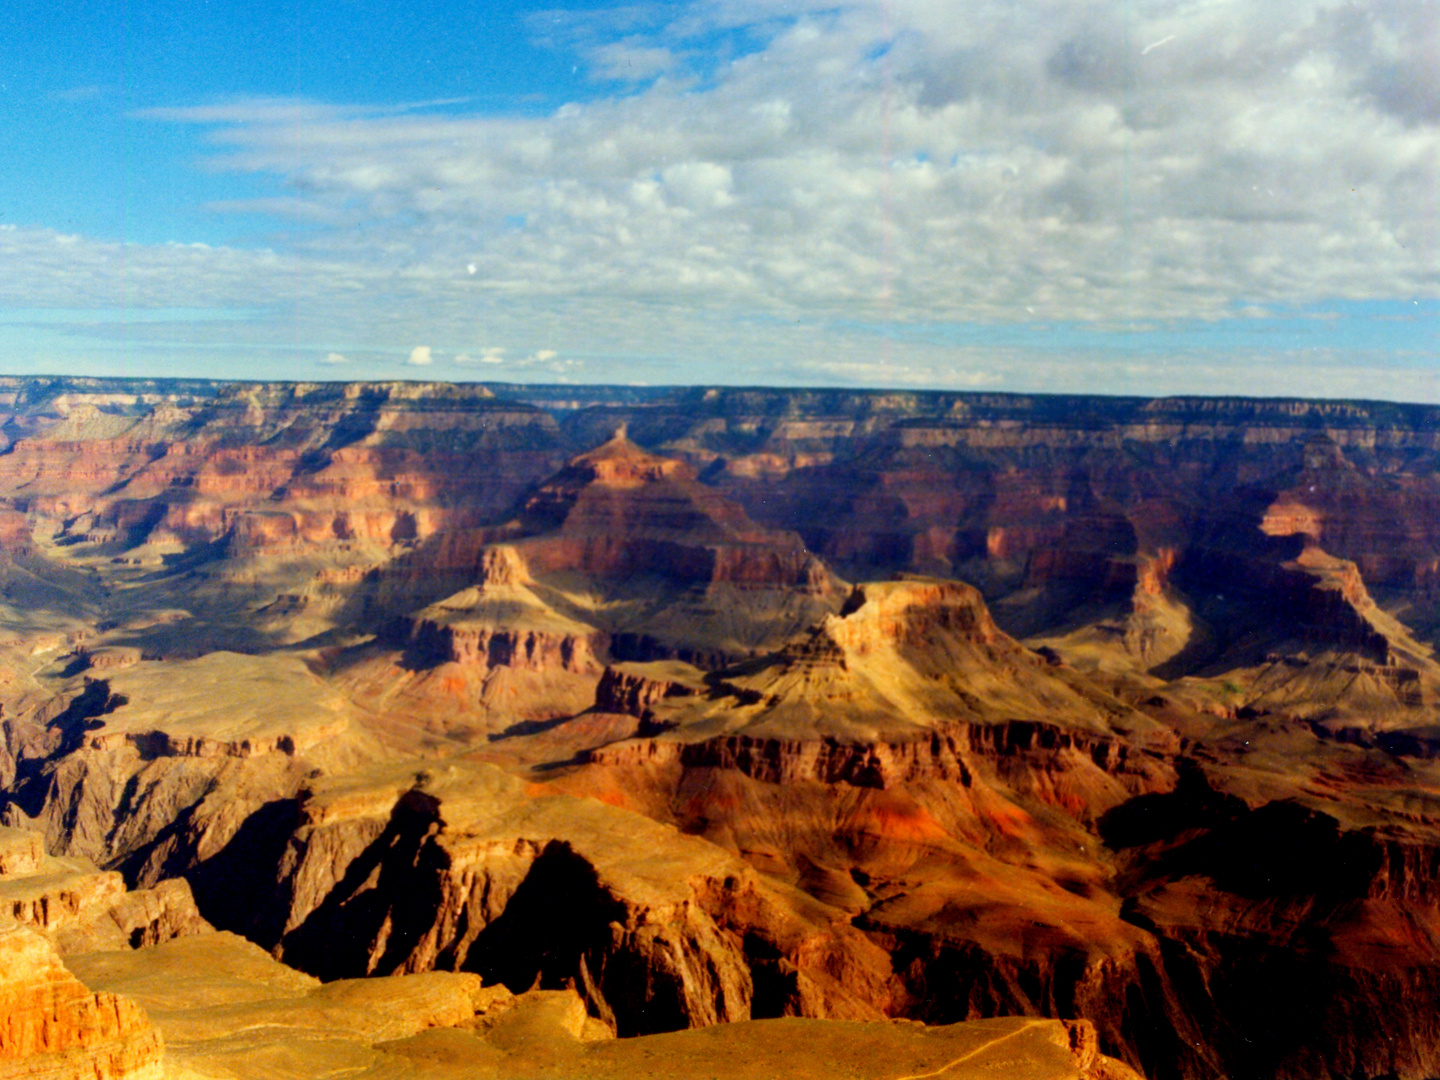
{"x":619,"y":512}
{"x":52,"y":1027}
{"x":271,"y":466}
{"x":432,"y":643}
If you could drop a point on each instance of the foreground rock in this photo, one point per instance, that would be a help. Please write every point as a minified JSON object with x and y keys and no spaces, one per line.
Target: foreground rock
{"x":53,"y":1027}
{"x":462,"y":868}
{"x":228,"y":1010}
{"x":81,"y":907}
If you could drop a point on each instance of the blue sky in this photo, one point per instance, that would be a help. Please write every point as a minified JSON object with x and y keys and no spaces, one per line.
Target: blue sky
{"x":1133,"y":197}
{"x":79,"y":79}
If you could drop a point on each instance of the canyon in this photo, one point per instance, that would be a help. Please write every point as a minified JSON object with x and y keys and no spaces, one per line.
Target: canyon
{"x":517,"y":730}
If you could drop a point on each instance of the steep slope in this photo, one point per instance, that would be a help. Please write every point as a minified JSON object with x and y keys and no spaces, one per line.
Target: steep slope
{"x":633,"y":544}
{"x":80,"y":907}
{"x":901,"y":659}
{"x":54,"y":1027}
{"x":621,"y":554}
{"x":1013,"y":837}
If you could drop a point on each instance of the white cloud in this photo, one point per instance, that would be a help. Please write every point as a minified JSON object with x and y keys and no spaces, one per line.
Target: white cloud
{"x":335,"y":358}
{"x":420,"y":356}
{"x":1039,"y":157}
{"x":1035,"y":161}
{"x":489,"y":355}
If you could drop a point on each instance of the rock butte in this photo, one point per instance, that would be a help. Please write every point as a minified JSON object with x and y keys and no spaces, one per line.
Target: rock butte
{"x":489,"y":723}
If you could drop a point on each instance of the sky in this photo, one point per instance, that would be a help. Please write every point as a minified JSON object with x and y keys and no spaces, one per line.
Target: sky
{"x":1113,"y":196}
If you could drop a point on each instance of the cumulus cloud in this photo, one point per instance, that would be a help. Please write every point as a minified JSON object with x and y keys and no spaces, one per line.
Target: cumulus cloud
{"x":854,"y":165}
{"x":1033,"y":155}
{"x":420,"y":356}
{"x":335,"y":358}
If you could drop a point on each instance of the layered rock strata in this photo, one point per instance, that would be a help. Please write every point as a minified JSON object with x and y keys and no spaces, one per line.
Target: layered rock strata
{"x":81,"y":907}
{"x":51,"y":1026}
{"x":621,"y":555}
{"x":225,"y":608}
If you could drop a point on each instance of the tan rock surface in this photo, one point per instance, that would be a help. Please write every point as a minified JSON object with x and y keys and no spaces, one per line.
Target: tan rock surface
{"x":790,"y":1049}
{"x":229,"y":1011}
{"x":80,"y":907}
{"x":222,"y":704}
{"x":901,"y":660}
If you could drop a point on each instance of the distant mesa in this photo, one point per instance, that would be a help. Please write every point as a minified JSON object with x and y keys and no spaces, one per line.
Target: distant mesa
{"x":669,"y":566}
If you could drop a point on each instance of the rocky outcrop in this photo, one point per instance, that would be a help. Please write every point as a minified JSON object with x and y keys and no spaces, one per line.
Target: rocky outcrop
{"x":428,"y":642}
{"x":560,"y":891}
{"x":619,"y":511}
{"x":260,"y":1018}
{"x":949,"y":756}
{"x":81,"y":907}
{"x":1313,"y":939}
{"x":51,"y":1026}
{"x":1309,"y":607}
{"x":901,"y":660}
{"x":154,"y":818}
{"x":678,"y":572}
{"x":21,"y":852}
{"x":633,"y":688}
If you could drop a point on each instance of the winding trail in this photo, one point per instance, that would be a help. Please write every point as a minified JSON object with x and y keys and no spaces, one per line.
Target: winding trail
{"x":972,"y":1054}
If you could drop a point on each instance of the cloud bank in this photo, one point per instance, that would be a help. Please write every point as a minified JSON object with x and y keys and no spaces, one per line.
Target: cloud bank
{"x":826,"y":203}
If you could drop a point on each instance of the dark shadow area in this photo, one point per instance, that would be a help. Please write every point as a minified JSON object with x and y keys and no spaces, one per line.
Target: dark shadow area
{"x":521,"y":728}
{"x":237,"y":888}
{"x":75,"y":664}
{"x":138,"y":532}
{"x":558,"y":914}
{"x":1280,"y":849}
{"x":1149,"y":819}
{"x":82,"y":714}
{"x":370,"y":921}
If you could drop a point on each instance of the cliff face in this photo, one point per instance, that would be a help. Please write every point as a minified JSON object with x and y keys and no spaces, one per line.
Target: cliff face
{"x":283,"y":489}
{"x":672,"y":570}
{"x":53,"y":1026}
{"x":266,"y":1020}
{"x":464,"y":872}
{"x":1067,"y":493}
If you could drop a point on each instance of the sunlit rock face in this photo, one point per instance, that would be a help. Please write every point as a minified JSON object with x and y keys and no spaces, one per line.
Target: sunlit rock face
{"x":1129,"y":720}
{"x":52,"y":1026}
